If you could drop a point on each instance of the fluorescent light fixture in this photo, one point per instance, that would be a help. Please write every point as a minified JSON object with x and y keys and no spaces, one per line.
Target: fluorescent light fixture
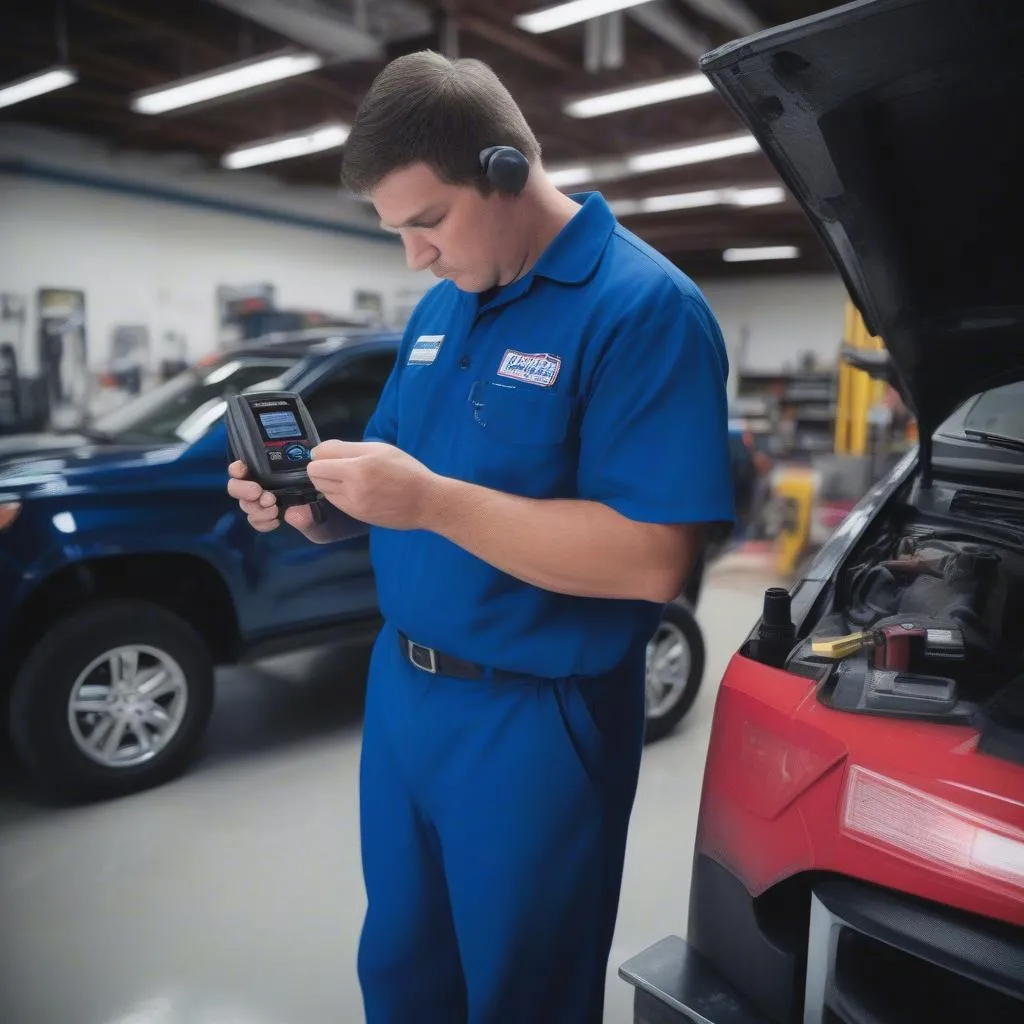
{"x":759,"y":196}
{"x":639,"y":96}
{"x":36,"y":85}
{"x":659,"y":204}
{"x":236,"y":78}
{"x":767,"y":252}
{"x":743,"y":197}
{"x":616,"y":167}
{"x":695,"y":153}
{"x":286,"y":147}
{"x":569,"y":176}
{"x":547,"y":19}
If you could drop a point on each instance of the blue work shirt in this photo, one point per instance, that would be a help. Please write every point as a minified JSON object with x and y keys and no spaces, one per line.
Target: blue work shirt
{"x":599,"y":375}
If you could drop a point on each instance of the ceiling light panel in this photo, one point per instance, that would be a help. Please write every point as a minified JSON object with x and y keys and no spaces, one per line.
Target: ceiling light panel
{"x":613,"y":168}
{"x":767,"y":252}
{"x":548,"y":19}
{"x":639,"y":96}
{"x":564,"y":176}
{"x":226,"y":81}
{"x":741,"y":197}
{"x":286,"y":147}
{"x":695,"y":153}
{"x":36,"y":85}
{"x":759,"y":196}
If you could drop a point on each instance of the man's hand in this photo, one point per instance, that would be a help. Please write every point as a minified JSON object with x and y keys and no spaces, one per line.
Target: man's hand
{"x":260,"y":507}
{"x":374,"y":482}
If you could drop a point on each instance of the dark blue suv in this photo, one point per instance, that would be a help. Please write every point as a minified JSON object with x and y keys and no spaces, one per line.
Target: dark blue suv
{"x":127,"y":573}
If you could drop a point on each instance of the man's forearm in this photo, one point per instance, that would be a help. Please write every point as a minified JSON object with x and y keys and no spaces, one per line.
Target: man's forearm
{"x":575,"y":547}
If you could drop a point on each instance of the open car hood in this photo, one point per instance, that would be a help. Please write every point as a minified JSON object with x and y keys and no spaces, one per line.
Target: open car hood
{"x":897,"y":126}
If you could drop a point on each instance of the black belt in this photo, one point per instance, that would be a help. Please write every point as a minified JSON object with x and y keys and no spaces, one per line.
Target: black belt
{"x":426,"y":659}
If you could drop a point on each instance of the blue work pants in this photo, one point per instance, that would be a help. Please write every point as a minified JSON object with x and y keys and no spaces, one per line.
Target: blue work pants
{"x":493,"y":827}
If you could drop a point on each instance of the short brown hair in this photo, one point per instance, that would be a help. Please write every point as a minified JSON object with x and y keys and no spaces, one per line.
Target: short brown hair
{"x":425,"y":108}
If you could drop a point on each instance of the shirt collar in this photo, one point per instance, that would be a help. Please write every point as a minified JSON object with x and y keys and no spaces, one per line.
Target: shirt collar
{"x":574,"y":253}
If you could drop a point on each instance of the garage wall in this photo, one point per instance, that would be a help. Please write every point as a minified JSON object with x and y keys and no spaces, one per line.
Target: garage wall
{"x":769,"y":322}
{"x":76,"y":215}
{"x":141,"y":261}
{"x":150,"y":237}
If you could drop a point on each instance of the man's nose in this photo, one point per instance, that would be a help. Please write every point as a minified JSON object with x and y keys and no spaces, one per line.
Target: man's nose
{"x":418,"y":253}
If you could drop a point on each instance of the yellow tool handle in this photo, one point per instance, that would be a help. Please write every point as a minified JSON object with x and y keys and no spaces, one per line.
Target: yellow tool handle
{"x":841,"y":646}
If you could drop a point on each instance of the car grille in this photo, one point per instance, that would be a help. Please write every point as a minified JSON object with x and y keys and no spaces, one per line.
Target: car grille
{"x":880,"y":958}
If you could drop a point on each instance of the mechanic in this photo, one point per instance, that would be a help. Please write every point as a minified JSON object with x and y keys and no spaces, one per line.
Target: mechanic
{"x":539,"y":476}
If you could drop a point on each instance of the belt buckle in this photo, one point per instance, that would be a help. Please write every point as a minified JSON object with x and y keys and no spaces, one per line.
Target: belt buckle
{"x":418,"y":654}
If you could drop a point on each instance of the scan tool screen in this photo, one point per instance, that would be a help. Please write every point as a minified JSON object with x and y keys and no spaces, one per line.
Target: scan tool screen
{"x":278,"y":426}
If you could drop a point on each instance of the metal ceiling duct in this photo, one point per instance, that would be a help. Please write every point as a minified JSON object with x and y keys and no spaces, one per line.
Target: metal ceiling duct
{"x":346,"y":30}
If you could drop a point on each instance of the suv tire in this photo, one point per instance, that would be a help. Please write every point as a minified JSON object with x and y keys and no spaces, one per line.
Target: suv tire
{"x":678,"y":639}
{"x":148,"y":675}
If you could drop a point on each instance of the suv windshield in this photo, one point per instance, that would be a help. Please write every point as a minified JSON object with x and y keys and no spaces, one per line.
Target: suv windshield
{"x":999,"y":413}
{"x":186,"y":406}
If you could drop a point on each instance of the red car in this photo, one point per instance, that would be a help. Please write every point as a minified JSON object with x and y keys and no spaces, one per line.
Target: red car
{"x":860,"y":847}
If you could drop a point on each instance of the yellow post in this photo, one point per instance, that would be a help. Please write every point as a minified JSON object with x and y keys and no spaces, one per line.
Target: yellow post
{"x":843,"y":384}
{"x":856,"y":391}
{"x":795,"y":489}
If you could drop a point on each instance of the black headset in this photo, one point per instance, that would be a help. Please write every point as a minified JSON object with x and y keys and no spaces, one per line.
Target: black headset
{"x":505,"y":168}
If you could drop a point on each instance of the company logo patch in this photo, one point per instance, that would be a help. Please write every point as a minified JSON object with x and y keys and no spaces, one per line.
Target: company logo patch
{"x":538,"y":368}
{"x":425,"y":348}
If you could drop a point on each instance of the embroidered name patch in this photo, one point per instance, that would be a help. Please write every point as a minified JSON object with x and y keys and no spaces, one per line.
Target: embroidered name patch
{"x":538,"y":368}
{"x":425,"y":348}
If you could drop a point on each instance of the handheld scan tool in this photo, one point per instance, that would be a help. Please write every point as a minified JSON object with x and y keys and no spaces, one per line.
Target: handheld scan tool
{"x":273,"y":434}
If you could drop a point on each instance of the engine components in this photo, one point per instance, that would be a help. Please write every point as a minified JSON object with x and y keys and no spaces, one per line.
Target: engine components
{"x":898,"y":645}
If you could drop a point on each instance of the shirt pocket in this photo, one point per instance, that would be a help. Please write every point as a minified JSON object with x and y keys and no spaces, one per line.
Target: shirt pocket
{"x":522,"y":440}
{"x":520,"y":416}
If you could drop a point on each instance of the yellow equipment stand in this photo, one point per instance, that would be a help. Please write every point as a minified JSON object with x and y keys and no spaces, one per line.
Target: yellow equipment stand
{"x":796,"y":487}
{"x":856,"y":392}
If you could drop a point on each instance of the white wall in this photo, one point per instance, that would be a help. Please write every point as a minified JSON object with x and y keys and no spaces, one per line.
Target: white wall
{"x":769,"y":322}
{"x":156,"y":262}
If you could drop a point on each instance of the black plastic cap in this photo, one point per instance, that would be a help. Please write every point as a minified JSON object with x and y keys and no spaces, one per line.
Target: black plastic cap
{"x":777,"y":607}
{"x":776,"y":634}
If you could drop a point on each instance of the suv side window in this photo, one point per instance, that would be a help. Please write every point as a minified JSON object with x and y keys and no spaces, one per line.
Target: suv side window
{"x":342,"y":405}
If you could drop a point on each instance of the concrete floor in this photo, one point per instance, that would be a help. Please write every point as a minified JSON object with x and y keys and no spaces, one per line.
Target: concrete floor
{"x":234,"y":895}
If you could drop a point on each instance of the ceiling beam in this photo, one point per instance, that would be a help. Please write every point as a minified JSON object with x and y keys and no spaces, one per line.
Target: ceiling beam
{"x":87,"y":107}
{"x":731,"y":14}
{"x":168,"y":29}
{"x":515,"y":42}
{"x":217,"y":54}
{"x":723,"y":234}
{"x":312,"y":24}
{"x":125,"y":76}
{"x":741,"y":171}
{"x":660,"y":20}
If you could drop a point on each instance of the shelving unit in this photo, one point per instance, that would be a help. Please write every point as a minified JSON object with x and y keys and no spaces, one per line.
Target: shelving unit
{"x":794,"y":410}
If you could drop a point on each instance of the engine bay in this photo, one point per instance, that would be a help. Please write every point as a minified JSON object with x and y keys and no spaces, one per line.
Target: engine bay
{"x":926,"y":621}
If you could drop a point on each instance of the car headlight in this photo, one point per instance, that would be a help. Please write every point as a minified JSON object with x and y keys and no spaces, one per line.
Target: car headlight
{"x":8,"y":513}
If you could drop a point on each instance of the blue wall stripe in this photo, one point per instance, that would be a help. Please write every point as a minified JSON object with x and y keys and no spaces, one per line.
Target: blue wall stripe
{"x":43,"y":172}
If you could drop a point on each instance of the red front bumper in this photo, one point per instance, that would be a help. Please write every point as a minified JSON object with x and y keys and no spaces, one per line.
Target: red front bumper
{"x":777,"y":798}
